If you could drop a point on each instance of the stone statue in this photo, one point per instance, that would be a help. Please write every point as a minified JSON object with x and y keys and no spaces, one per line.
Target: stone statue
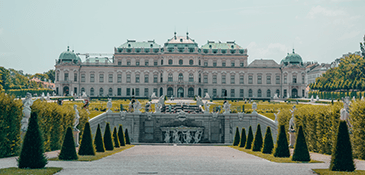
{"x":291,"y":122}
{"x":158,"y":107}
{"x":199,"y":101}
{"x":153,"y":95}
{"x":122,"y":115}
{"x":275,"y":96}
{"x":176,"y":136}
{"x":362,"y":98}
{"x":276,"y":117}
{"x":42,"y":96}
{"x":27,"y":103}
{"x":187,"y":137}
{"x":48,"y":97}
{"x":206,"y":107}
{"x":254,"y":107}
{"x":353,"y":98}
{"x":345,"y":111}
{"x":197,"y":136}
{"x":137,"y":107}
{"x":207,"y":96}
{"x":161,"y":100}
{"x":227,"y":107}
{"x":84,"y":95}
{"x":77,"y":118}
{"x":312,"y":98}
{"x":317,"y":98}
{"x":167,"y":137}
{"x":109,"y":105}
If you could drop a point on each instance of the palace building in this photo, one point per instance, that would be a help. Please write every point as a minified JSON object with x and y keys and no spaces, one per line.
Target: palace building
{"x":182,"y":69}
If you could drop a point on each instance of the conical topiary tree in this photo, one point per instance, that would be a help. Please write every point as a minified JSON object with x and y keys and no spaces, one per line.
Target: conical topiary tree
{"x":32,"y":152}
{"x":281,"y":148}
{"x":115,"y":136}
{"x":68,"y":151}
{"x":87,"y":147}
{"x":301,"y":152}
{"x":121,"y":136}
{"x":268,"y":142}
{"x":98,"y":142}
{"x":257,"y":142}
{"x":127,"y":140}
{"x":249,"y":138}
{"x":108,"y":141}
{"x":342,"y":159}
{"x":236,"y":140}
{"x":243,"y":138}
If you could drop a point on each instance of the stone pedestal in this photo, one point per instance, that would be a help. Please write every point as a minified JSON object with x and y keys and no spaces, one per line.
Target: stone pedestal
{"x":76,"y":137}
{"x":292,"y":139}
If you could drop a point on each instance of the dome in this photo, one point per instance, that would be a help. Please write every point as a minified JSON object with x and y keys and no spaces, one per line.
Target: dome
{"x":292,"y":58}
{"x":68,"y":56}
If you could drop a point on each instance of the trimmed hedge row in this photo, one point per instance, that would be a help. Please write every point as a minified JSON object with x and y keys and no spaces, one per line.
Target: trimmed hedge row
{"x":23,"y":92}
{"x":336,"y":95}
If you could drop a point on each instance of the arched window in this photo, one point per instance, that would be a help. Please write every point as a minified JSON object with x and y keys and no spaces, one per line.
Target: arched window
{"x":170,"y":77}
{"x":191,"y":62}
{"x":161,"y":62}
{"x":170,"y":61}
{"x":181,"y":77}
{"x":92,"y":92}
{"x":101,"y":91}
{"x":268,"y":93}
{"x":278,"y":92}
{"x":169,"y":91}
{"x":259,"y":93}
{"x":110,"y":92}
{"x":199,"y":62}
{"x":191,"y":78}
{"x":180,"y":62}
{"x":250,"y":93}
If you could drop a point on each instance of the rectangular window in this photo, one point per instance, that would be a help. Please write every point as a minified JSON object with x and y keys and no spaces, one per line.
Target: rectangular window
{"x":205,"y":63}
{"x":232,"y":64}
{"x":205,"y":78}
{"x":214,"y":92}
{"x":119,"y":90}
{"x":146,"y":77}
{"x":155,"y":91}
{"x":200,"y":78}
{"x":82,"y":77}
{"x":92,"y":78}
{"x":66,"y":76}
{"x":155,"y":78}
{"x":223,"y":79}
{"x":214,"y":79}
{"x":250,"y":79}
{"x":75,"y":77}
{"x":214,"y":64}
{"x":137,"y":78}
{"x":75,"y":90}
{"x":277,"y":79}
{"x":161,"y":78}
{"x":146,"y":92}
{"x":241,"y":79}
{"x":232,"y":93}
{"x":205,"y":91}
{"x":241,"y":92}
{"x":137,"y":92}
{"x":119,"y":78}
{"x":119,"y":63}
{"x":303,"y":79}
{"x":232,"y":79}
{"x":169,"y":79}
{"x":128,"y":78}
{"x":294,"y":79}
{"x":155,"y":63}
{"x":285,"y":79}
{"x":128,"y":91}
{"x":137,"y":63}
{"x":101,"y":78}
{"x":242,"y":64}
{"x":146,"y":63}
{"x":128,"y":63}
{"x":161,"y":62}
{"x":223,"y":92}
{"x":110,"y":78}
{"x":259,"y":79}
{"x":58,"y":77}
{"x":268,"y":80}
{"x":223,"y":64}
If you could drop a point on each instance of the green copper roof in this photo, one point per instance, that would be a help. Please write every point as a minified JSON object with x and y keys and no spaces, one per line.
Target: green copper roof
{"x":68,"y":56}
{"x":227,"y":45}
{"x":292,"y":58}
{"x":143,"y":44}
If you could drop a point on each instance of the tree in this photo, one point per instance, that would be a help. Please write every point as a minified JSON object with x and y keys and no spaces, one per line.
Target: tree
{"x":115,"y":136}
{"x":127,"y":140}
{"x":32,"y":153}
{"x":268,"y":142}
{"x":301,"y":152}
{"x":87,"y":147}
{"x":341,"y":159}
{"x":249,"y":138}
{"x":257,"y":142}
{"x":281,"y":148}
{"x":243,"y":138}
{"x":99,"y":143}
{"x":236,"y":140}
{"x":108,"y":141}
{"x":121,"y":136}
{"x":50,"y":74}
{"x":68,"y":151}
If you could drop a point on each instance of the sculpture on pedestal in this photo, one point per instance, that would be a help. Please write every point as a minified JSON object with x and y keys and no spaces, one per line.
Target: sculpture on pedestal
{"x":227,"y":107}
{"x":153,"y":95}
{"x":77,"y":118}
{"x":27,"y":102}
{"x":137,"y":107}
{"x":158,"y":107}
{"x":292,"y":128}
{"x":109,"y":105}
{"x":276,"y":118}
{"x":206,"y":108}
{"x":167,"y":137}
{"x":254,"y":108}
{"x":199,"y":101}
{"x":161,"y":100}
{"x":176,"y":136}
{"x":345,"y":111}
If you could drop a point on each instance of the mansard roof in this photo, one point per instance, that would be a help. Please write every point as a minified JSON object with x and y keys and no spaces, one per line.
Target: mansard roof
{"x":220,"y":45}
{"x":140,"y":44}
{"x":263,"y":63}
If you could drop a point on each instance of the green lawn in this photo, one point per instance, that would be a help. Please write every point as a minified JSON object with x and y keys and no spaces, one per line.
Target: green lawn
{"x":99,"y":155}
{"x":328,"y":172}
{"x":41,"y":171}
{"x":271,"y":157}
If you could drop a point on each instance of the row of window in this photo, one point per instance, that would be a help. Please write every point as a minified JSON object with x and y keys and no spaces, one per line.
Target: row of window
{"x":181,"y":62}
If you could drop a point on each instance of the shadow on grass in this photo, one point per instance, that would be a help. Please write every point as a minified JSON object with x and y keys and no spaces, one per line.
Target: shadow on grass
{"x":41,"y":171}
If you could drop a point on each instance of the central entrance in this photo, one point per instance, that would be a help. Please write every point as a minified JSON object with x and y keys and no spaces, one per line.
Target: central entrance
{"x":294,"y":93}
{"x":180,"y":92}
{"x":66,"y":91}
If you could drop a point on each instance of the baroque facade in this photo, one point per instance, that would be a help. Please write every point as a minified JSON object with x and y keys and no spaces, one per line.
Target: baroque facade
{"x":182,"y":69}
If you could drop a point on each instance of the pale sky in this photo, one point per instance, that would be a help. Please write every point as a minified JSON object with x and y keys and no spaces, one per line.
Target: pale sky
{"x":34,"y":33}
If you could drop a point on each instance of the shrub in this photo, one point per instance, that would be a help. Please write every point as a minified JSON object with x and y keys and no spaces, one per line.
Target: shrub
{"x":257,"y":142}
{"x":115,"y":136}
{"x":268,"y":142}
{"x":32,"y":153}
{"x":121,"y":136}
{"x":342,"y":159}
{"x":281,"y":148}
{"x":301,"y":152}
{"x":99,"y":143}
{"x":243,"y":138}
{"x":249,"y":138}
{"x":68,"y":151}
{"x":87,"y":147}
{"x":127,"y":140}
{"x":108,"y":141}
{"x":236,"y":140}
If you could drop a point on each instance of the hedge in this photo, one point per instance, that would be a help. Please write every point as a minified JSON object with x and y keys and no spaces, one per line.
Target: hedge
{"x":23,"y":92}
{"x":336,"y":95}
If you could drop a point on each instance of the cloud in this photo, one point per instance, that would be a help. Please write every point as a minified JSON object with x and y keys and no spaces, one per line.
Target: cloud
{"x":321,"y":11}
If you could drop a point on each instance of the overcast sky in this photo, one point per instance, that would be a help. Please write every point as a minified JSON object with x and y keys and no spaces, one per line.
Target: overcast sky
{"x":34,"y":33}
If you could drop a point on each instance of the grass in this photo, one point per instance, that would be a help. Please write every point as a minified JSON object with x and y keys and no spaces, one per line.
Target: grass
{"x":42,"y":171}
{"x":328,"y":172}
{"x":99,"y":155}
{"x":271,"y":157}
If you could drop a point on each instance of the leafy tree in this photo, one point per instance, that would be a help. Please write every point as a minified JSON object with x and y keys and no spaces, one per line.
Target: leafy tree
{"x":249,"y":138}
{"x":268,"y":142}
{"x":257,"y":142}
{"x":108,"y":141}
{"x":127,"y":140}
{"x":86,"y":146}
{"x":115,"y":136}
{"x":301,"y":152}
{"x":51,"y":74}
{"x":236,"y":137}
{"x":32,"y":154}
{"x":281,"y":148}
{"x":68,"y":151}
{"x":121,"y":136}
{"x":341,"y":159}
{"x":99,"y":143}
{"x":243,"y":138}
